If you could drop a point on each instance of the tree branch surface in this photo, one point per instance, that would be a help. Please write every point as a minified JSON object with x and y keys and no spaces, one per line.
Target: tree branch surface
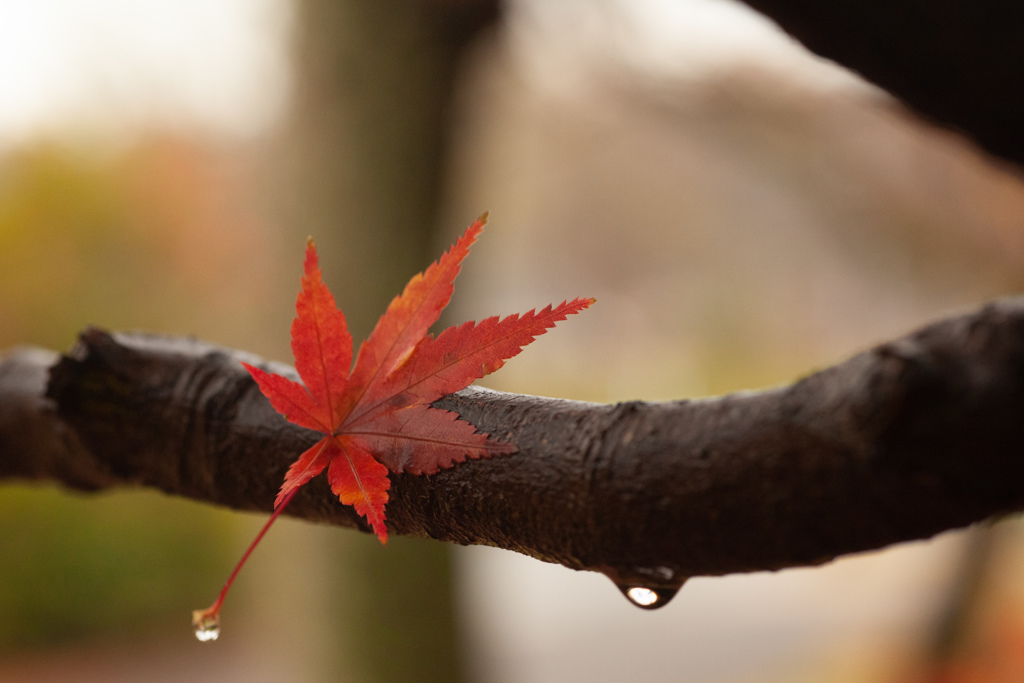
{"x":916,"y":436}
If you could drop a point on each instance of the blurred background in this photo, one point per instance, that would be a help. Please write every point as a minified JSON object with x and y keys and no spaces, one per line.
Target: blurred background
{"x":743,"y":211}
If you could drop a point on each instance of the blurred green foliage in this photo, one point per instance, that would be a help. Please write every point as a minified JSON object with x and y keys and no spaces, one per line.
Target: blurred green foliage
{"x":140,"y":238}
{"x":77,"y":566}
{"x":59,"y":224}
{"x":158,"y":236}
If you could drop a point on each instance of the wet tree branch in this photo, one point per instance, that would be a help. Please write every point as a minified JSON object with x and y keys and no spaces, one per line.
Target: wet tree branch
{"x":916,"y":436}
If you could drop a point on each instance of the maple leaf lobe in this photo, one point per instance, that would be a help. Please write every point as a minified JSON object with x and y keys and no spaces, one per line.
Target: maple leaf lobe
{"x":311,"y":463}
{"x":406,"y":321}
{"x":359,"y":480}
{"x":321,"y":342}
{"x":288,"y":398}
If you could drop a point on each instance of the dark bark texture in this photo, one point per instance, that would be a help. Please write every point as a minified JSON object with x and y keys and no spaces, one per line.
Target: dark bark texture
{"x":959,"y":63}
{"x":919,"y":435}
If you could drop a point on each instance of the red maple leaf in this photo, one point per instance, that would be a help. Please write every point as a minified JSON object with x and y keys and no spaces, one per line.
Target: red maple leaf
{"x":378,"y":416}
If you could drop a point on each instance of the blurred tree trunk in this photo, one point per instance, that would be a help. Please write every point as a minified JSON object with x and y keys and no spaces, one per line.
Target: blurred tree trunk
{"x":366,"y":150}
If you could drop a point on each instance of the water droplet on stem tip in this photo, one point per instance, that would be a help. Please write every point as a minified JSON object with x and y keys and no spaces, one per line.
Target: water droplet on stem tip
{"x":206,"y":622}
{"x":206,"y":625}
